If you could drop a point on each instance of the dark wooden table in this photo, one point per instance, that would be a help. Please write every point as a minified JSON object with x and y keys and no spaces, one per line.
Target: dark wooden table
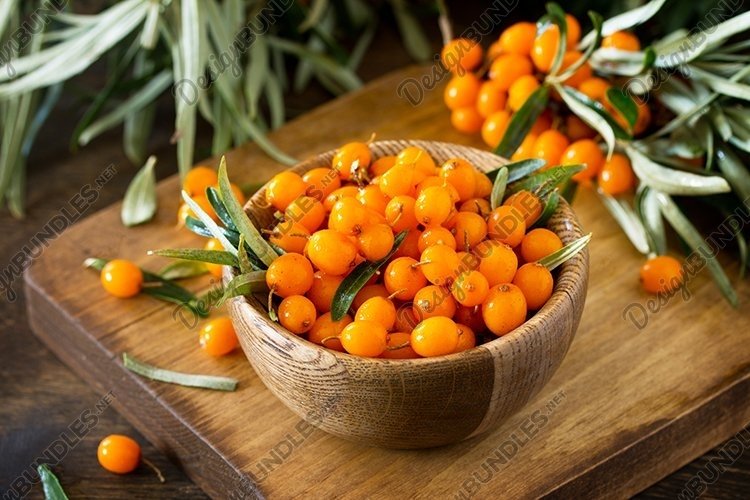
{"x":40,"y":397}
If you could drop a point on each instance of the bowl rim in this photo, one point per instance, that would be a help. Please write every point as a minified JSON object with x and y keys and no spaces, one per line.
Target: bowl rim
{"x":563,"y":294}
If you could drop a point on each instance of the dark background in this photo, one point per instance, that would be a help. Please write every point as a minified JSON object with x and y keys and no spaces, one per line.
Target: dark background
{"x":40,"y":397}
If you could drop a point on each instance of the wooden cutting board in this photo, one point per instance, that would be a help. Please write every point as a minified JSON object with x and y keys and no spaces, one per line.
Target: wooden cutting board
{"x":627,"y":407}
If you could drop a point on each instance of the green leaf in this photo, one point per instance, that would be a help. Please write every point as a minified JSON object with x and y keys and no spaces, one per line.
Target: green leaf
{"x":720,"y":84}
{"x":624,"y":104}
{"x":734,"y":171}
{"x":649,"y":212}
{"x":214,"y":198}
{"x":200,"y":229}
{"x":244,"y":260}
{"x":596,"y":21}
{"x":254,"y":239}
{"x":138,"y":125}
{"x":592,"y":118}
{"x":522,"y":121}
{"x":209,"y":256}
{"x":626,"y":20}
{"x":355,"y":280}
{"x":256,"y":72}
{"x":695,"y":241}
{"x":687,"y":50}
{"x":626,"y":217}
{"x":550,"y":205}
{"x":139,"y":203}
{"x":188,"y":61}
{"x":244,"y":284}
{"x":557,"y":16}
{"x":179,"y":378}
{"x":316,"y":11}
{"x":414,"y":39}
{"x":498,"y":187}
{"x":182,"y":269}
{"x":544,"y":182}
{"x":520,"y":169}
{"x":213,"y":228}
{"x":620,"y":133}
{"x":50,"y":484}
{"x":558,"y":257}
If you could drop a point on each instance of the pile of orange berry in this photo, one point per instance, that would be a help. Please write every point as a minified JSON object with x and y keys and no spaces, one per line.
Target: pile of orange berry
{"x":484,"y":94}
{"x":462,"y":270}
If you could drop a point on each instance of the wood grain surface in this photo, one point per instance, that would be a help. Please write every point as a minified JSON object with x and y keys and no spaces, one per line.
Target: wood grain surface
{"x":626,"y":408}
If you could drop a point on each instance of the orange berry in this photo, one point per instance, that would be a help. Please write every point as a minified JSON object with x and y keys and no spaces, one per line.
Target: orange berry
{"x":508,"y":68}
{"x":331,"y":252}
{"x":542,"y":123}
{"x":321,"y":182}
{"x":375,"y":241}
{"x":198,"y":179}
{"x":461,"y":55}
{"x":616,"y":176}
{"x":322,"y":290}
{"x":297,"y":314}
{"x":505,"y":309}
{"x":364,"y":338}
{"x":581,"y":74}
{"x":498,"y":263}
{"x":527,"y":204}
{"x":307,"y":211}
{"x":398,"y":347}
{"x":588,"y":153}
{"x":418,"y":158}
{"x":410,"y":246}
{"x":399,"y":213}
{"x":340,"y":193}
{"x":469,"y":229}
{"x":468,"y":261}
{"x":459,"y":173}
{"x":520,"y":91}
{"x":483,"y":185}
{"x":466,"y":338}
{"x":439,"y":264}
{"x":368,"y":292}
{"x":461,"y":91}
{"x":466,"y":120}
{"x":539,"y":243}
{"x":644,"y":117}
{"x":403,"y":278}
{"x":536,"y":284}
{"x":662,"y":274}
{"x":406,"y":320}
{"x":491,"y":98}
{"x":494,"y":128}
{"x":348,"y":156}
{"x":348,"y":216}
{"x":549,"y":146}
{"x":518,"y":38}
{"x":290,"y":236}
{"x":217,"y":337}
{"x":373,"y":198}
{"x":471,"y":317}
{"x":622,"y":40}
{"x":573,"y":35}
{"x":398,"y":181}
{"x":470,"y":288}
{"x":506,"y":225}
{"x":289,"y":274}
{"x":544,"y":48}
{"x":433,"y":301}
{"x":378,"y":310}
{"x":433,"y":206}
{"x":435,"y":336}
{"x":325,"y":328}
{"x":284,"y":188}
{"x":577,"y":129}
{"x":494,"y":50}
{"x":121,"y":278}
{"x":382,"y":165}
{"x":119,"y":454}
{"x":436,"y":235}
{"x":595,"y":88}
{"x":525,"y":149}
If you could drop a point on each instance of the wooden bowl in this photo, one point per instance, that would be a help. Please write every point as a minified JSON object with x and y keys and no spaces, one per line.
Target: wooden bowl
{"x":416,"y":403}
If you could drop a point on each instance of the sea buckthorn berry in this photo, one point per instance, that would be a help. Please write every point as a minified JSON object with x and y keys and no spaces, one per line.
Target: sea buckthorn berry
{"x":322,"y":290}
{"x":436,"y":235}
{"x":471,"y":317}
{"x":325,"y":331}
{"x":216,"y":270}
{"x":490,"y":98}
{"x":520,"y":91}
{"x":321,"y":182}
{"x":494,"y":127}
{"x":198,"y":179}
{"x":368,"y":292}
{"x":539,"y":243}
{"x":289,"y":274}
{"x":498,"y":262}
{"x":470,"y":288}
{"x":542,"y":123}
{"x":433,"y":301}
{"x":364,"y":338}
{"x":662,"y":274}
{"x":373,"y":198}
{"x":379,"y":310}
{"x":406,"y":320}
{"x":217,"y":337}
{"x":433,"y":206}
{"x":382,"y":165}
{"x":469,"y":229}
{"x":616,"y":176}
{"x":518,"y":38}
{"x":439,"y":264}
{"x":410,"y":246}
{"x":461,"y":55}
{"x":290,"y":236}
{"x":297,"y":314}
{"x":348,"y":216}
{"x":527,"y":204}
{"x":375,"y":241}
{"x":399,"y":213}
{"x":461,"y":91}
{"x":121,"y":278}
{"x":205,"y":205}
{"x":595,"y":88}
{"x":353,"y":154}
{"x":307,"y":211}
{"x":417,"y":157}
{"x":399,"y":347}
{"x":525,"y":150}
{"x":467,"y":120}
{"x":622,"y":40}
{"x":398,"y":181}
{"x":403,"y":278}
{"x":506,"y":225}
{"x":581,"y":74}
{"x":573,"y":34}
{"x":284,"y":188}
{"x":340,"y":193}
{"x":544,"y":48}
{"x":644,"y":117}
{"x":435,"y":336}
{"x":119,"y":454}
{"x":576,"y":129}
{"x":494,"y":50}
{"x":476,"y":206}
{"x":483,"y":185}
{"x":467,"y":261}
{"x":508,"y":68}
{"x":504,"y":309}
{"x":536,"y":284}
{"x":459,"y":173}
{"x":466,"y":338}
{"x":331,"y":252}
{"x":550,"y":146}
{"x":588,"y":153}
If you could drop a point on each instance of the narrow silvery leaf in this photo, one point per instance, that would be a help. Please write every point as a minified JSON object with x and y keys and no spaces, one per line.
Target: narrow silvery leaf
{"x":182,"y":269}
{"x":626,"y":20}
{"x":498,"y":187}
{"x":179,"y":378}
{"x":591,"y":117}
{"x":50,"y":484}
{"x":209,"y":223}
{"x":557,"y":258}
{"x":672,"y":181}
{"x":627,"y":219}
{"x":139,"y":204}
{"x":648,"y":210}
{"x":557,"y":16}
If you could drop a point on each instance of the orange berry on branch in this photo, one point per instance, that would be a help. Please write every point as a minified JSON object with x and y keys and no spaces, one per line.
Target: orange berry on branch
{"x":520,"y":91}
{"x":622,"y":40}
{"x":466,"y":120}
{"x":198,"y":179}
{"x":616,"y":176}
{"x":581,"y":74}
{"x":518,"y":38}
{"x":550,"y":146}
{"x":461,"y":55}
{"x":595,"y":88}
{"x":491,"y":98}
{"x":577,"y":129}
{"x":494,"y":128}
{"x":508,"y":68}
{"x":588,"y":153}
{"x":525,"y":149}
{"x":462,"y":91}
